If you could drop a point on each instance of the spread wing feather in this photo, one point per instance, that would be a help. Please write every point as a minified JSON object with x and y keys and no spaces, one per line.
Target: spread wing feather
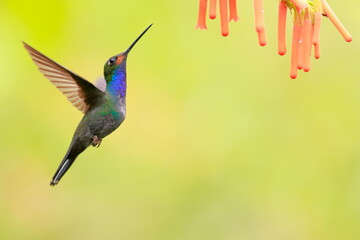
{"x":81,"y":93}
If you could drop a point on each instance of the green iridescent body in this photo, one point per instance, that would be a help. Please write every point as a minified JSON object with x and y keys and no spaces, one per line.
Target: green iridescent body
{"x":99,"y":121}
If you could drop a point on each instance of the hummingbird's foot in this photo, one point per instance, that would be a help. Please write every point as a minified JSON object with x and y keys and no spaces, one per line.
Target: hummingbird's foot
{"x":96,"y":141}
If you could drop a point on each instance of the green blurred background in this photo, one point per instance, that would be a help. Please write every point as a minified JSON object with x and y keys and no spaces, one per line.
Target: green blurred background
{"x":219,"y":143}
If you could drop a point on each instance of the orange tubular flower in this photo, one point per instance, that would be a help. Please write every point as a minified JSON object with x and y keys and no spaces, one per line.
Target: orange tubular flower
{"x":212,"y":10}
{"x":201,"y":23}
{"x":308,"y":32}
{"x":282,"y":28}
{"x":228,"y":12}
{"x":224,"y":18}
{"x":232,"y":11}
{"x":295,"y":51}
{"x":307,"y":16}
{"x":259,"y":22}
{"x":333,"y":18}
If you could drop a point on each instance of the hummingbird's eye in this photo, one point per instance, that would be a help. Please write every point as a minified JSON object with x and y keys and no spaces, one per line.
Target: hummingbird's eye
{"x":112,"y":60}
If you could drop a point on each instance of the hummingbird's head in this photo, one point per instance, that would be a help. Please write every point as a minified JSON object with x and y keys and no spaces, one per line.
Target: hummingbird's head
{"x":117,"y":64}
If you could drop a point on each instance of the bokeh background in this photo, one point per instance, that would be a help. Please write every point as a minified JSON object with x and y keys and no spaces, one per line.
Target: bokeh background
{"x":219,"y":142}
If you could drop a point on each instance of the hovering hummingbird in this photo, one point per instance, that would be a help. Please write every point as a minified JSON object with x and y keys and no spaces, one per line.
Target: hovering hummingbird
{"x":104,"y":111}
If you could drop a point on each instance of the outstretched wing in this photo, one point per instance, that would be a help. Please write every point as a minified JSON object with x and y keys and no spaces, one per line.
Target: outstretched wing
{"x":81,"y":93}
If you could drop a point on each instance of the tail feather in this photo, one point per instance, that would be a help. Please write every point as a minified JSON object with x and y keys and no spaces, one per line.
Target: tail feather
{"x":76,"y":147}
{"x":63,"y":167}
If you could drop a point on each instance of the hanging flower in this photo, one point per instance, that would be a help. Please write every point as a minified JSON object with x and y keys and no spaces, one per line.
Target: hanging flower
{"x":259,"y":22}
{"x":307,"y":16}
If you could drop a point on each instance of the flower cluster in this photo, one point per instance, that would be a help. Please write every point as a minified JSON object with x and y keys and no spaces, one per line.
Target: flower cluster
{"x":307,"y":16}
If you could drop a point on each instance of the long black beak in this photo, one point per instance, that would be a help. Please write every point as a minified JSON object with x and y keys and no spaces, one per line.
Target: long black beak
{"x":137,"y":39}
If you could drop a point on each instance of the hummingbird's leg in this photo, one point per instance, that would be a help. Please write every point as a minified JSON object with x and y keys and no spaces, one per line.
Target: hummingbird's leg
{"x":96,"y":141}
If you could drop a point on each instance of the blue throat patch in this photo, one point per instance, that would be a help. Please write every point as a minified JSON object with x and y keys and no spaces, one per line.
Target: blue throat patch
{"x":117,"y":85}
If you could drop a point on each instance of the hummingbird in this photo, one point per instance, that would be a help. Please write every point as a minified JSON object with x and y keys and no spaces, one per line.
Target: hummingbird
{"x":104,"y":111}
